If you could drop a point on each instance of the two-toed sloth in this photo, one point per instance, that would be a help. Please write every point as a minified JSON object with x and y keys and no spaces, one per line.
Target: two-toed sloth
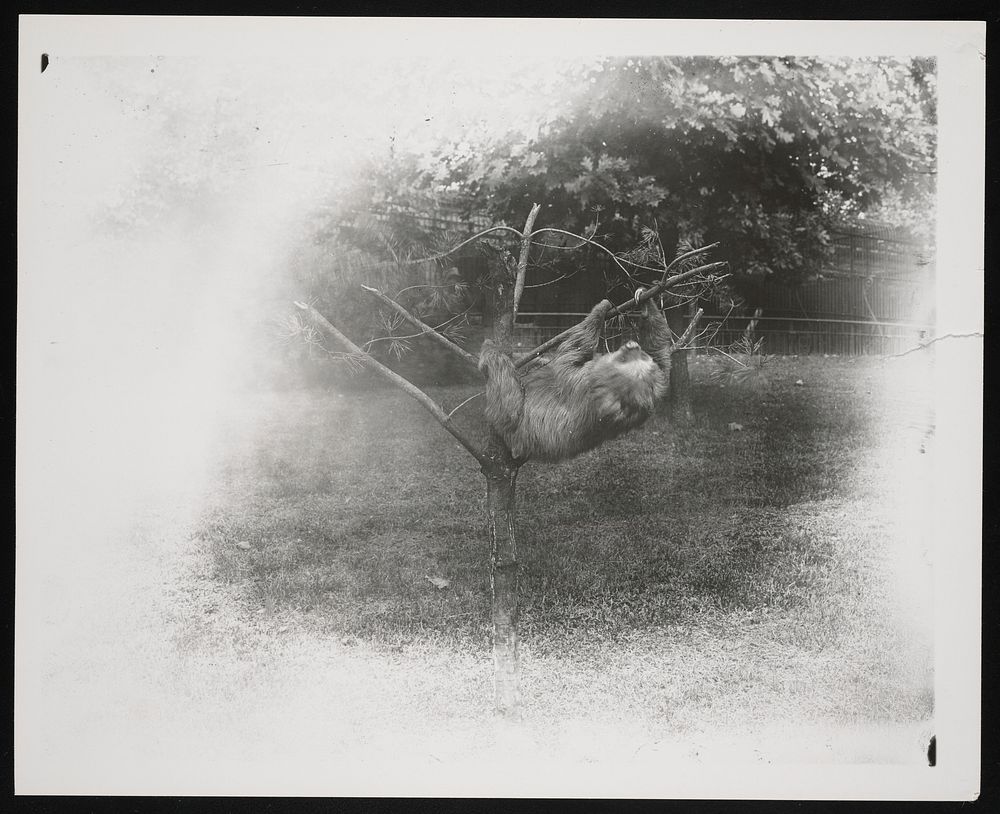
{"x":574,"y":401}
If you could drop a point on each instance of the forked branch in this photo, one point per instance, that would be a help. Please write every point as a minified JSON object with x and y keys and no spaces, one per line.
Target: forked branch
{"x":686,"y":256}
{"x":685,"y":337}
{"x":410,"y":389}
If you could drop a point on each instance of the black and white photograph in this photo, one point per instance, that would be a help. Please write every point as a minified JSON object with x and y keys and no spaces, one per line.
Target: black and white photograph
{"x":499,"y":407}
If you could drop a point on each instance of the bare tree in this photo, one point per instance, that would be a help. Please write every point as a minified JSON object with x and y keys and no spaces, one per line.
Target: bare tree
{"x":495,"y":459}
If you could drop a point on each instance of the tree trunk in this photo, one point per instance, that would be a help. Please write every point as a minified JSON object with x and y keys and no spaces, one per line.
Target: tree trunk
{"x":501,"y":487}
{"x":500,"y":514}
{"x":679,"y":395}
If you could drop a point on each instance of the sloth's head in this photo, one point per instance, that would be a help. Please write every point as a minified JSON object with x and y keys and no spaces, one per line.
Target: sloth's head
{"x":630,"y":362}
{"x":625,"y":384}
{"x":631,"y":352}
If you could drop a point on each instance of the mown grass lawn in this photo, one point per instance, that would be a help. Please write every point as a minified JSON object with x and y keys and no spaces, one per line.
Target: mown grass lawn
{"x":677,"y":580}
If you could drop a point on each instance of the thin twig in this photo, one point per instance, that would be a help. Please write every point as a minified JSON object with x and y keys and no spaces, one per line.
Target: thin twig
{"x":686,"y":256}
{"x":470,"y":398}
{"x":718,"y":326}
{"x":684,"y":337}
{"x":922,"y":345}
{"x":423,"y":285}
{"x":585,"y":240}
{"x":409,"y":388}
{"x":422,"y":326}
{"x":558,"y":279}
{"x":394,"y":337}
{"x":663,"y":255}
{"x":454,"y":249}
{"x":728,"y":356}
{"x":555,"y":246}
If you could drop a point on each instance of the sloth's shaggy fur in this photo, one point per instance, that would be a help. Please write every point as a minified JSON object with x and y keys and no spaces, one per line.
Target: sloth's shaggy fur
{"x":574,"y":401}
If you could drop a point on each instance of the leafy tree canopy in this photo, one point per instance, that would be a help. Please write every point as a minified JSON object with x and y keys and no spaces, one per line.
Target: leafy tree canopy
{"x":764,"y":154}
